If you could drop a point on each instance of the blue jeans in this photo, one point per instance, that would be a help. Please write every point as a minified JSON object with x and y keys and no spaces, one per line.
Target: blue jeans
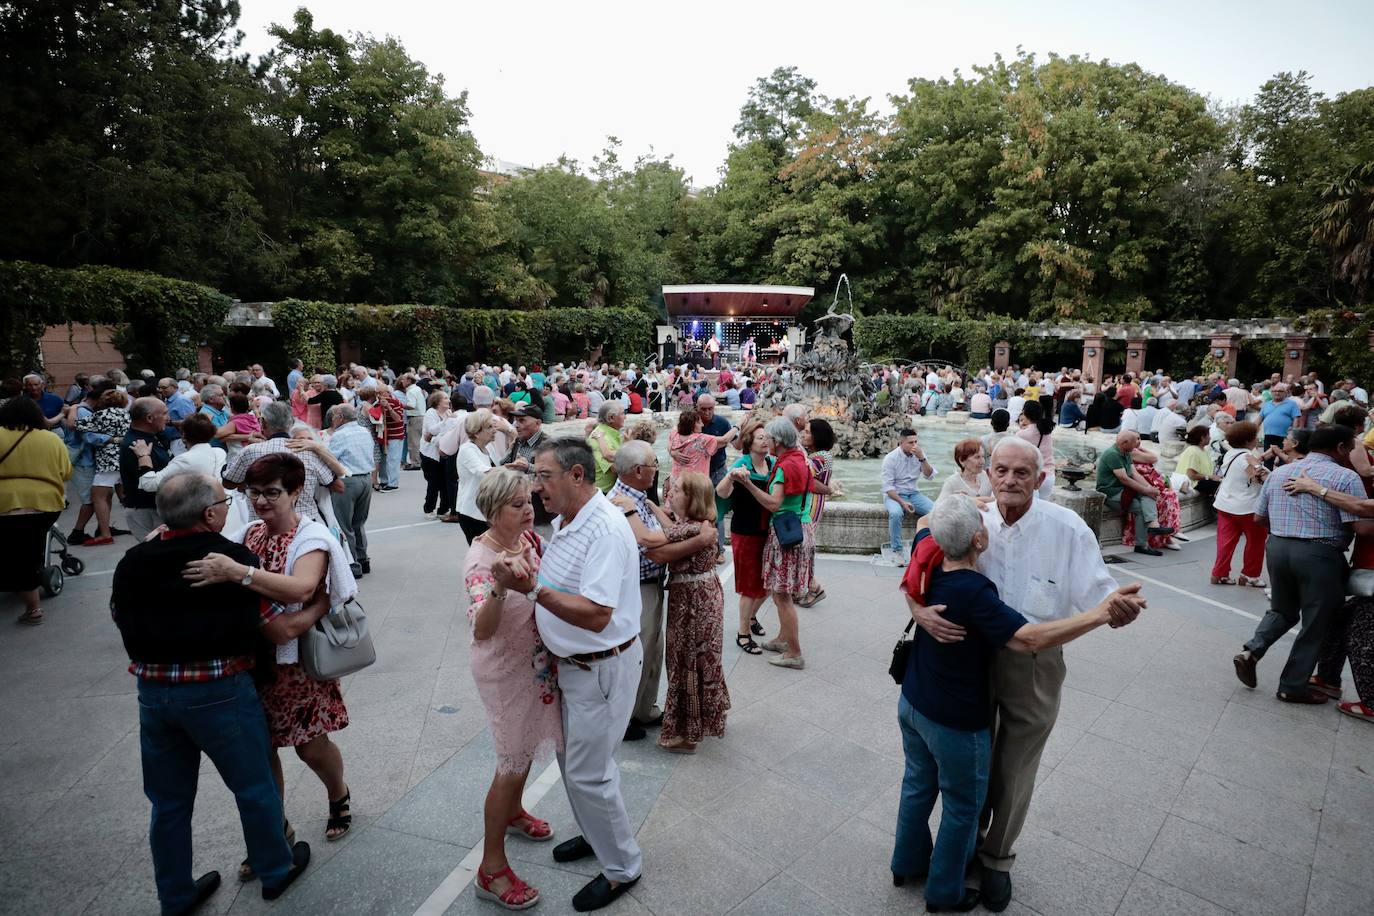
{"x":390,"y":473}
{"x":224,"y":719}
{"x":895,"y":514}
{"x":951,"y":763}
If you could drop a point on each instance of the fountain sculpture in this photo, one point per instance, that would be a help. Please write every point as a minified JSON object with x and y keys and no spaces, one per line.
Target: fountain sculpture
{"x":832,"y":380}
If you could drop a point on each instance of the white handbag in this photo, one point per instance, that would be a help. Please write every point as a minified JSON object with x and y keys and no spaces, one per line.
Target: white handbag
{"x":338,"y":644}
{"x":1361,"y":583}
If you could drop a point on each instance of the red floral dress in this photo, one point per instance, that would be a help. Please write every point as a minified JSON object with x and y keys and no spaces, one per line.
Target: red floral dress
{"x":1166,"y":506}
{"x":697,"y":696}
{"x":298,"y":709}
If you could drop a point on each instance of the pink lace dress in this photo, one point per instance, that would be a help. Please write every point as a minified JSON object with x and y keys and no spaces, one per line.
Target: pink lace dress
{"x":516,"y":676}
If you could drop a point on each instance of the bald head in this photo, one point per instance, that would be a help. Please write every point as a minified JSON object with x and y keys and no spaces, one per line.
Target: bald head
{"x":1127,"y":440}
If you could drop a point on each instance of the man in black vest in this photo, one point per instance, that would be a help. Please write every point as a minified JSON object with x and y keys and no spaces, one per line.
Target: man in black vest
{"x":193,"y":654}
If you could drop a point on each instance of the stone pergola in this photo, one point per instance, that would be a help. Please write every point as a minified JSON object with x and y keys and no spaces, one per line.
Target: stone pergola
{"x":1224,"y":337}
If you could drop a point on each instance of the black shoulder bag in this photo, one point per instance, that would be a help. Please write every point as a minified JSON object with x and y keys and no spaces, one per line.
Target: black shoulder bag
{"x":901,"y":654}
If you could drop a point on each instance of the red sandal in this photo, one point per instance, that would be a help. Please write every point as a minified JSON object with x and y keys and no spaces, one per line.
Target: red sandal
{"x":1356,"y":710}
{"x":513,"y":897}
{"x":536,"y":830}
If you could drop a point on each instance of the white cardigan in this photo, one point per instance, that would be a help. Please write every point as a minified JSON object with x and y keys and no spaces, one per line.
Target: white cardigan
{"x":338,"y":577}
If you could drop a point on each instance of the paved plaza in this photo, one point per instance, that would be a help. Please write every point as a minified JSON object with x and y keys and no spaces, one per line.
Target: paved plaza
{"x":1167,"y":788}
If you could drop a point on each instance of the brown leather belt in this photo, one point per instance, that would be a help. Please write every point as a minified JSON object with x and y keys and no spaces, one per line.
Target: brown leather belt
{"x":584,"y":661}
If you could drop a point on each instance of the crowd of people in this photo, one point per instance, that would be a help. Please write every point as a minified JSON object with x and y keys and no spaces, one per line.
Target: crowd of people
{"x":590,"y":570}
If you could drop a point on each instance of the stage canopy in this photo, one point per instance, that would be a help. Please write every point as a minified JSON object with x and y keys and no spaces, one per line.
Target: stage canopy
{"x":778,"y":302}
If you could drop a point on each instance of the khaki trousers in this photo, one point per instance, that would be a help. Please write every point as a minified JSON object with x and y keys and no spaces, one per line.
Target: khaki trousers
{"x":651,"y":637}
{"x":1025,"y":703}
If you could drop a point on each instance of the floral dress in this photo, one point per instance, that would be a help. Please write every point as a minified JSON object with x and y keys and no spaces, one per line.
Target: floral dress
{"x":112,"y":422}
{"x":298,"y":708}
{"x":697,"y":696}
{"x":1166,"y":506}
{"x":516,"y":676}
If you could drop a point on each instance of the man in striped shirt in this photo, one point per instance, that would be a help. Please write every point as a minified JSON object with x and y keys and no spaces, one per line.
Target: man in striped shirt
{"x":587,"y":608}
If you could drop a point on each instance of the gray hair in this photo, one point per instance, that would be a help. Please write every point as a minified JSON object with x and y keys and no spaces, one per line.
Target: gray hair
{"x":631,"y":455}
{"x":795,"y":412}
{"x":298,"y":427}
{"x":497,"y":488}
{"x":482,"y":396}
{"x":571,"y":452}
{"x":344,"y":412}
{"x":1022,"y":445}
{"x":955,"y":522}
{"x":277,"y":417}
{"x":183,"y":375}
{"x":608,"y":407}
{"x":183,"y":498}
{"x":210,"y":391}
{"x":329,"y":381}
{"x":782,"y":432}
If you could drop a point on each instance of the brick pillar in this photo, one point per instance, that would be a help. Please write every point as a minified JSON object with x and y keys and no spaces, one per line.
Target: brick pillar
{"x":1226,"y":347}
{"x":205,"y":359}
{"x":1135,"y":356}
{"x":1295,"y":355}
{"x":1094,"y":358}
{"x":1001,"y":355}
{"x":350,"y":351}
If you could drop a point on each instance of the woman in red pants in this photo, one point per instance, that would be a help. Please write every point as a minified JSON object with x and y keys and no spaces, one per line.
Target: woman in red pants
{"x":1242,"y":476}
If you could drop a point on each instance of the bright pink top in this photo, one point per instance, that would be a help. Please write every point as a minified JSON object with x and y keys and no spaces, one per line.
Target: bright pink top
{"x":699,"y":447}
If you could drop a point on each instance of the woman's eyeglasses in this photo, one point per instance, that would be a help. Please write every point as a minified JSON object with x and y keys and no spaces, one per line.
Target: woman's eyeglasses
{"x":271,"y":494}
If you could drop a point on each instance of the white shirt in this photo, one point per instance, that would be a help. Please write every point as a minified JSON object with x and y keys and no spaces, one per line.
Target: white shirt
{"x":415,"y":401}
{"x":1237,"y":493}
{"x":1170,"y":426}
{"x":1015,"y":404}
{"x":1360,"y":395}
{"x":203,"y":458}
{"x":1067,"y":576}
{"x":434,"y":426}
{"x":595,"y":556}
{"x":267,"y":383}
{"x":472,"y":464}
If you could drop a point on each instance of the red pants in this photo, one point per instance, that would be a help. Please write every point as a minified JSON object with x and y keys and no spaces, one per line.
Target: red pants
{"x":1229,"y":529}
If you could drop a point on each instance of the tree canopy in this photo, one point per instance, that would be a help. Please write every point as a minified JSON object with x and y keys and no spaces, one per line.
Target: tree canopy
{"x":339,"y":167}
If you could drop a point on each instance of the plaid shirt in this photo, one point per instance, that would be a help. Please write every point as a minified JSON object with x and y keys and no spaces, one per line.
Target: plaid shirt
{"x":317,"y":474}
{"x":648,"y":569}
{"x":211,"y":670}
{"x":1305,"y":516}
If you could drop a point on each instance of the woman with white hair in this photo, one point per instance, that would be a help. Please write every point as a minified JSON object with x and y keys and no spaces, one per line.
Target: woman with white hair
{"x":944,"y":709}
{"x":474,"y":461}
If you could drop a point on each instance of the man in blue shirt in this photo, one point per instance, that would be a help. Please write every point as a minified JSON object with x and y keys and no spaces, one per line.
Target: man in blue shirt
{"x":714,"y":424}
{"x":179,"y":407}
{"x":36,"y":387}
{"x":294,"y":376}
{"x":212,"y":403}
{"x":1278,"y":415}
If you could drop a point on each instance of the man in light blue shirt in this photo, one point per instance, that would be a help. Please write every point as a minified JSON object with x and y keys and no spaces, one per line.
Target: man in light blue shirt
{"x":179,"y":407}
{"x":294,"y":376}
{"x":903,"y":468}
{"x":352,"y":445}
{"x":1276,"y":417}
{"x":212,"y":403}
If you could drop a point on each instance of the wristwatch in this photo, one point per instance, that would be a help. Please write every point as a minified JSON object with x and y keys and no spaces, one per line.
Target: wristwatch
{"x":1321,"y":494}
{"x":247,"y":580}
{"x":630,"y":512}
{"x":533,"y":595}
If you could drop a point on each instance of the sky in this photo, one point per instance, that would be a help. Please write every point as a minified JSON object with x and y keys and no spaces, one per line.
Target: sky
{"x":546,"y":79}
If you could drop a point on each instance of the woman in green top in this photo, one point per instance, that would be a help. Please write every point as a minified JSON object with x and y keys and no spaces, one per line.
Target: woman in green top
{"x":605,"y":441}
{"x":748,"y":529}
{"x":1196,"y":464}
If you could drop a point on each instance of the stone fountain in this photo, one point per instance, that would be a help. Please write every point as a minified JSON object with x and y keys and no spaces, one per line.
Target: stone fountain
{"x":833,"y":382}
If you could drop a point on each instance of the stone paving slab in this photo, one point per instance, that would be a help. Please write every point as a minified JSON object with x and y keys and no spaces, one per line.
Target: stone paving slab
{"x":1166,"y":787}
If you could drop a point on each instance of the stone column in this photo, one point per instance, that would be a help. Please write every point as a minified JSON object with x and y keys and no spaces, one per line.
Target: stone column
{"x":1226,"y":347}
{"x":1001,"y":355}
{"x":1135,"y":355}
{"x":1295,"y":355}
{"x":1094,"y":357}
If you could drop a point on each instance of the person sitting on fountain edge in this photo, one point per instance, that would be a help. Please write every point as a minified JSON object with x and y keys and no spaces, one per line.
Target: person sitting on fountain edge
{"x":903,"y":468}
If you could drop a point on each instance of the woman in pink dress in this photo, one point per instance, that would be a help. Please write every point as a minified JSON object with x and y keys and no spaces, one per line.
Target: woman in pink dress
{"x":697,"y":697}
{"x":691,"y":449}
{"x":516,"y":678}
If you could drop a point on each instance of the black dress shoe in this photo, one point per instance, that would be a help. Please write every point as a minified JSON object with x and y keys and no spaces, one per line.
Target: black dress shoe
{"x":1149,"y":551}
{"x":970,"y":900}
{"x":599,"y":893}
{"x":1245,"y":664}
{"x":899,"y":880}
{"x":366,"y":565}
{"x":206,"y":885}
{"x":634,"y":732}
{"x":572,"y":850}
{"x":300,"y":858}
{"x":996,"y":891}
{"x":1162,"y":532}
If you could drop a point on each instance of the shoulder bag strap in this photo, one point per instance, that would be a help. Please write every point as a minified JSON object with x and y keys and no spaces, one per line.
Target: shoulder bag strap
{"x":11,"y":449}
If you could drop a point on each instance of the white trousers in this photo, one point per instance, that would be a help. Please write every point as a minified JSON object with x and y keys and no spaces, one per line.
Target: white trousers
{"x":596,"y":711}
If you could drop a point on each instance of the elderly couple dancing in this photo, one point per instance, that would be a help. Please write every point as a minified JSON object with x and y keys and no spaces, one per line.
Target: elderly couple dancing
{"x":556,"y":658}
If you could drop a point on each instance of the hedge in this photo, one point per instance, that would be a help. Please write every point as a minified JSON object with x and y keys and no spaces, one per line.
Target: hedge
{"x":164,"y":320}
{"x":969,"y":343}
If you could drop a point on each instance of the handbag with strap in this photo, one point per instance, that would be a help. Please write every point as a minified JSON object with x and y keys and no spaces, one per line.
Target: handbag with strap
{"x":901,"y":654}
{"x":17,"y":442}
{"x":338,"y":644}
{"x":788,"y":527}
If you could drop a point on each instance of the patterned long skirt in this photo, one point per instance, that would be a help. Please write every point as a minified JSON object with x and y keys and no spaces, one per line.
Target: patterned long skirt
{"x":697,"y":696}
{"x":1350,"y":634}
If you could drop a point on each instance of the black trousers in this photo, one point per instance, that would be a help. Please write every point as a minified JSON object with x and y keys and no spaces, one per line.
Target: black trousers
{"x":448,"y":497}
{"x":437,"y":489}
{"x":27,"y":537}
{"x":472,"y":527}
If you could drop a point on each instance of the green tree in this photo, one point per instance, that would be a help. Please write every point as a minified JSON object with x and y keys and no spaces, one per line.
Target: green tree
{"x":1345,"y":225}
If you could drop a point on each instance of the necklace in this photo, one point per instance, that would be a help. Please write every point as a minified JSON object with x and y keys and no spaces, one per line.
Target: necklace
{"x":491,"y":538}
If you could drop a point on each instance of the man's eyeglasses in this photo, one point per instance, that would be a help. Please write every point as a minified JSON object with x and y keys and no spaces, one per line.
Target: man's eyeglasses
{"x":271,"y":494}
{"x":546,"y":476}
{"x":228,"y":500}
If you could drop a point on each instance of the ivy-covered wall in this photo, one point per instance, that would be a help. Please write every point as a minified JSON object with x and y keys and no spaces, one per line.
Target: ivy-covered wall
{"x":163,"y":320}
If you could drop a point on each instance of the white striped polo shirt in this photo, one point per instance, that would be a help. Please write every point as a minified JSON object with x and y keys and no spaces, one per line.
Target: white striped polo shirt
{"x":595,"y":556}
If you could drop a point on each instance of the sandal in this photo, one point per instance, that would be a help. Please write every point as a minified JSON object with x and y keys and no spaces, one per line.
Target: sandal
{"x":31,"y":618}
{"x":519,"y":896}
{"x":246,"y":871}
{"x":536,"y":830}
{"x":747,"y":643}
{"x":756,"y":628}
{"x":1223,"y":580}
{"x":1318,"y":685}
{"x":816,"y":597}
{"x":1252,"y":583}
{"x":1356,"y":710}
{"x":679,"y":746}
{"x":340,"y":818}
